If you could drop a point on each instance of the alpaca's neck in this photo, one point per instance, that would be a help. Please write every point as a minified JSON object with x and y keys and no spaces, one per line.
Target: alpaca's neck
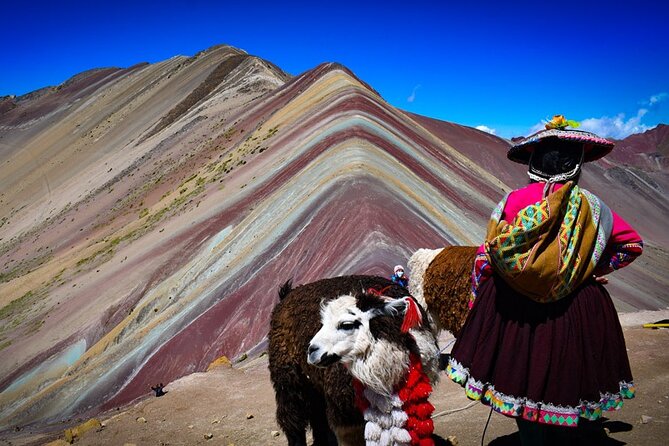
{"x":383,"y":368}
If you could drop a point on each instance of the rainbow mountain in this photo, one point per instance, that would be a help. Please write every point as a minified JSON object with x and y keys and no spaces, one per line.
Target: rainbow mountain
{"x":149,"y":215}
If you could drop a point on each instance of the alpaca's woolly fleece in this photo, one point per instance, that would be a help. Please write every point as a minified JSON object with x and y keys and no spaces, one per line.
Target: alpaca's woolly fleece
{"x":403,"y":418}
{"x":383,"y":367}
{"x":445,"y":284}
{"x":418,"y":264}
{"x":429,"y":352}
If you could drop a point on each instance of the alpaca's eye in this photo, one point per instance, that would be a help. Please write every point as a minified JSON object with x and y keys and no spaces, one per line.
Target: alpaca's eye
{"x":348,"y":325}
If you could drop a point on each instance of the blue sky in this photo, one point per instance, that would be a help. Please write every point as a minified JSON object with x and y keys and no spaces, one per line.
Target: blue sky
{"x":503,"y":65}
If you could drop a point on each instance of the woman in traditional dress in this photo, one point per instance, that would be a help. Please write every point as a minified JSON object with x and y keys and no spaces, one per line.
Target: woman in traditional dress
{"x":542,"y":341}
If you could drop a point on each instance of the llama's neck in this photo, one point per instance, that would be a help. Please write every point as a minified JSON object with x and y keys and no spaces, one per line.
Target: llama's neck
{"x":402,"y":417}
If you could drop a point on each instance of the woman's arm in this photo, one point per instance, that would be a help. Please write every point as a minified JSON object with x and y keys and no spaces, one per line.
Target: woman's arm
{"x":623,"y":247}
{"x":481,"y":272}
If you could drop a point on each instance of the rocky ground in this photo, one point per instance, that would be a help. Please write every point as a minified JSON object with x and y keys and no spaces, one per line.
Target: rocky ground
{"x":234,"y":405}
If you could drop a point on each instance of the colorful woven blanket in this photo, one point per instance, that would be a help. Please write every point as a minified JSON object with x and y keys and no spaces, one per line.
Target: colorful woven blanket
{"x":552,"y":246}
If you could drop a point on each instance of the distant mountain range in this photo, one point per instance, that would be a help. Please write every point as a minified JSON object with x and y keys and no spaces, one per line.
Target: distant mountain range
{"x":148,"y":215}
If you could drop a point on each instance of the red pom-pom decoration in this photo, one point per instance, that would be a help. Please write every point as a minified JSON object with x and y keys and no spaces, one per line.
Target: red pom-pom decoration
{"x":425,"y":442}
{"x":423,"y":411}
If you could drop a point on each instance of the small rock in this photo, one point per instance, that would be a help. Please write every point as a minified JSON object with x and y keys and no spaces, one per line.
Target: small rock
{"x":216,"y":421}
{"x":141,"y":420}
{"x":208,"y":436}
{"x":190,"y":426}
{"x":275,"y":433}
{"x":249,"y":416}
{"x":645,"y":419}
{"x":607,"y":431}
{"x":222,"y":361}
{"x":129,"y":444}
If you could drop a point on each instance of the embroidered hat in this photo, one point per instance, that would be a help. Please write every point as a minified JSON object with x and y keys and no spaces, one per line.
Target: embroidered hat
{"x":398,"y":268}
{"x":594,"y":146}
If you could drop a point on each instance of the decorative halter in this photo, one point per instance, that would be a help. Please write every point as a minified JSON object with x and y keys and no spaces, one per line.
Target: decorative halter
{"x":405,"y":417}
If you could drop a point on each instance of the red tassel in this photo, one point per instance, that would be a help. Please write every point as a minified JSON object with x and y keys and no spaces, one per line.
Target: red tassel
{"x":412,"y":316}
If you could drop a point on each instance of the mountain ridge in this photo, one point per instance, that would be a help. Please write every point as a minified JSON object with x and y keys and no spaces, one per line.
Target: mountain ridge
{"x":130,"y":256}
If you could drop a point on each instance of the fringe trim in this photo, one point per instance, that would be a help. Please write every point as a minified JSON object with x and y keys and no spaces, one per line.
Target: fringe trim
{"x":540,"y":412}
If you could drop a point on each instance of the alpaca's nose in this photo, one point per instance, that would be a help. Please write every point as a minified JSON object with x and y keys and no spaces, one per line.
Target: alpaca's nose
{"x":313,"y":355}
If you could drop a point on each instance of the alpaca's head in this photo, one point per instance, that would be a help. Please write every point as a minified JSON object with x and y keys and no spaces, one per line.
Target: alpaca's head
{"x":352,"y":325}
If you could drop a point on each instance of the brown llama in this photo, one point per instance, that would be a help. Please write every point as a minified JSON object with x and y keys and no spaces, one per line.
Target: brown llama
{"x":441,"y":281}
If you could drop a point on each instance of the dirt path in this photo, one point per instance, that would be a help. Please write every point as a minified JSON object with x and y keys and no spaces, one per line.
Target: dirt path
{"x":235,"y":406}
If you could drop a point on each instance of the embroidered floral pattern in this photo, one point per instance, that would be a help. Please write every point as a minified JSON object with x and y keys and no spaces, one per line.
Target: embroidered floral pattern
{"x":625,"y":254}
{"x":540,"y":412}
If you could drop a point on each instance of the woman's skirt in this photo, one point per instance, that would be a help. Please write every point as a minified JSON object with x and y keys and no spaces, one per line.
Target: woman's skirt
{"x":548,"y":363}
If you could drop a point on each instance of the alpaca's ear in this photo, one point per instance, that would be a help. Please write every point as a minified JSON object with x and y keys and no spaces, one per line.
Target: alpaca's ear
{"x":405,"y":307}
{"x":392,"y":308}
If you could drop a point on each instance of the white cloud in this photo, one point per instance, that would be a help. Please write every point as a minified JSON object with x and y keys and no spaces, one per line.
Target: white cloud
{"x":616,"y":127}
{"x":658,"y":98}
{"x":486,"y":129}
{"x":412,"y":96}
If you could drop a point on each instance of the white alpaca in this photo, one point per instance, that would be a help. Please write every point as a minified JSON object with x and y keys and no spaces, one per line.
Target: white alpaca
{"x":390,"y":348}
{"x":418,"y":264}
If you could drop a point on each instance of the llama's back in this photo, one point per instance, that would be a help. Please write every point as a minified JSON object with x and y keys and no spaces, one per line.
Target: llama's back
{"x":442,"y":278}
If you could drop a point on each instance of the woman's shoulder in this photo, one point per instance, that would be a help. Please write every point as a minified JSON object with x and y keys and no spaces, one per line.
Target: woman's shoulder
{"x":529,"y":189}
{"x":525,"y":195}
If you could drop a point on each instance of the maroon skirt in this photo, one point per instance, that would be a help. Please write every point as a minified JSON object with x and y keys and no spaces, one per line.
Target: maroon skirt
{"x":549,"y":363}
